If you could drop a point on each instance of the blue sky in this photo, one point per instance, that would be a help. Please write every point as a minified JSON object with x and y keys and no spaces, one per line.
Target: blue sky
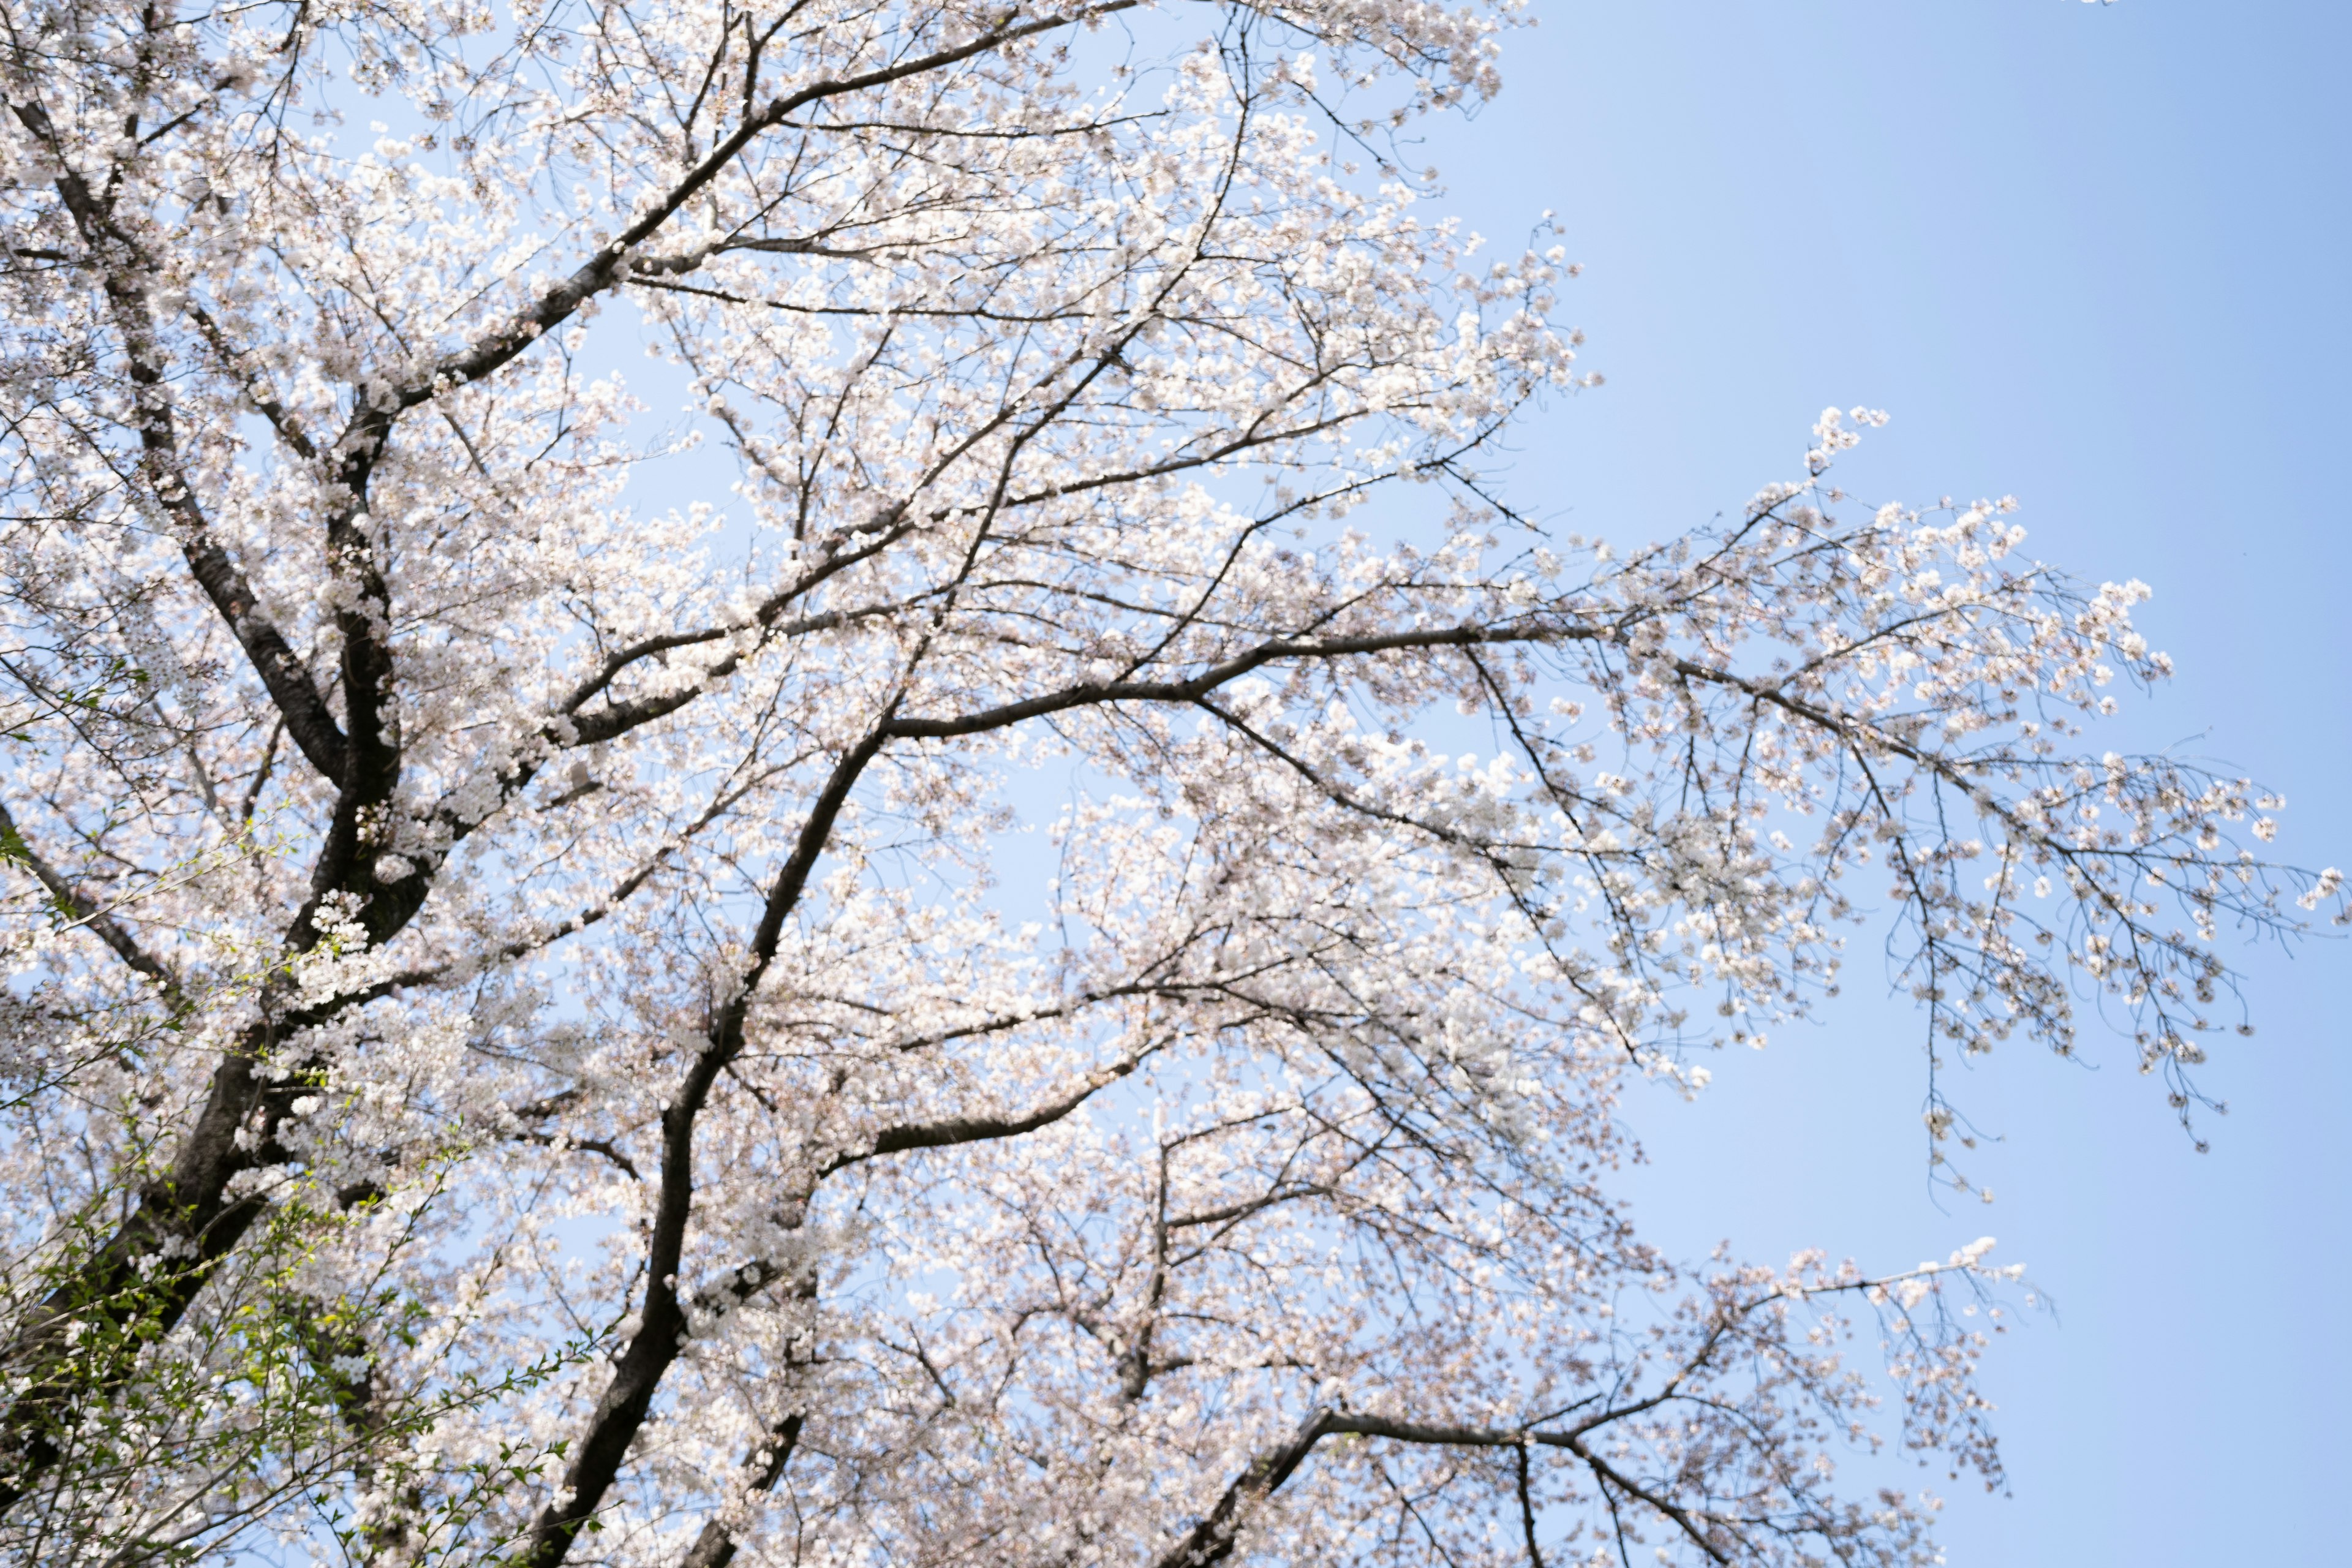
{"x":2093,"y":257}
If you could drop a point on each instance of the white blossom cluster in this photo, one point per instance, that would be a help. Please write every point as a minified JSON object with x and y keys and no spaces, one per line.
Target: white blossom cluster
{"x":524,"y":1040}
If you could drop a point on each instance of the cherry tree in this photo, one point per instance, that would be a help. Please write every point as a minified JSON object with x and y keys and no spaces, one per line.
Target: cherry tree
{"x":547,"y":1022}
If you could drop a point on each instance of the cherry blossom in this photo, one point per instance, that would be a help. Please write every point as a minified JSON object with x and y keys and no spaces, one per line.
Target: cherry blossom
{"x":548,"y":1021}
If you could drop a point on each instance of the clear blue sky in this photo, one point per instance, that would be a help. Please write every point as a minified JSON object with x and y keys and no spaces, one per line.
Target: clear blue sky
{"x":2093,"y":257}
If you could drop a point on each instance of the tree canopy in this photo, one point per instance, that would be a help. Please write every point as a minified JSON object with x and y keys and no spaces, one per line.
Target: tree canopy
{"x":543,"y":1025}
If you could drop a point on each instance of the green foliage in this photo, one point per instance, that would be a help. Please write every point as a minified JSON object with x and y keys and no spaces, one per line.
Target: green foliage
{"x":164,"y":1439}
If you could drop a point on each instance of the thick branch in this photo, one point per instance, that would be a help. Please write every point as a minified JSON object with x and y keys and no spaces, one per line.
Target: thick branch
{"x":1212,"y":1539}
{"x":116,"y":254}
{"x":627,"y":1399}
{"x":715,"y":1546}
{"x":950,"y":1131}
{"x":603,"y":269}
{"x":1095,"y":693}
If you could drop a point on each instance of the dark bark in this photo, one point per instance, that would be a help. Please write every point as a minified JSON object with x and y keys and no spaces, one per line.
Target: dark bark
{"x":621,"y":1411}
